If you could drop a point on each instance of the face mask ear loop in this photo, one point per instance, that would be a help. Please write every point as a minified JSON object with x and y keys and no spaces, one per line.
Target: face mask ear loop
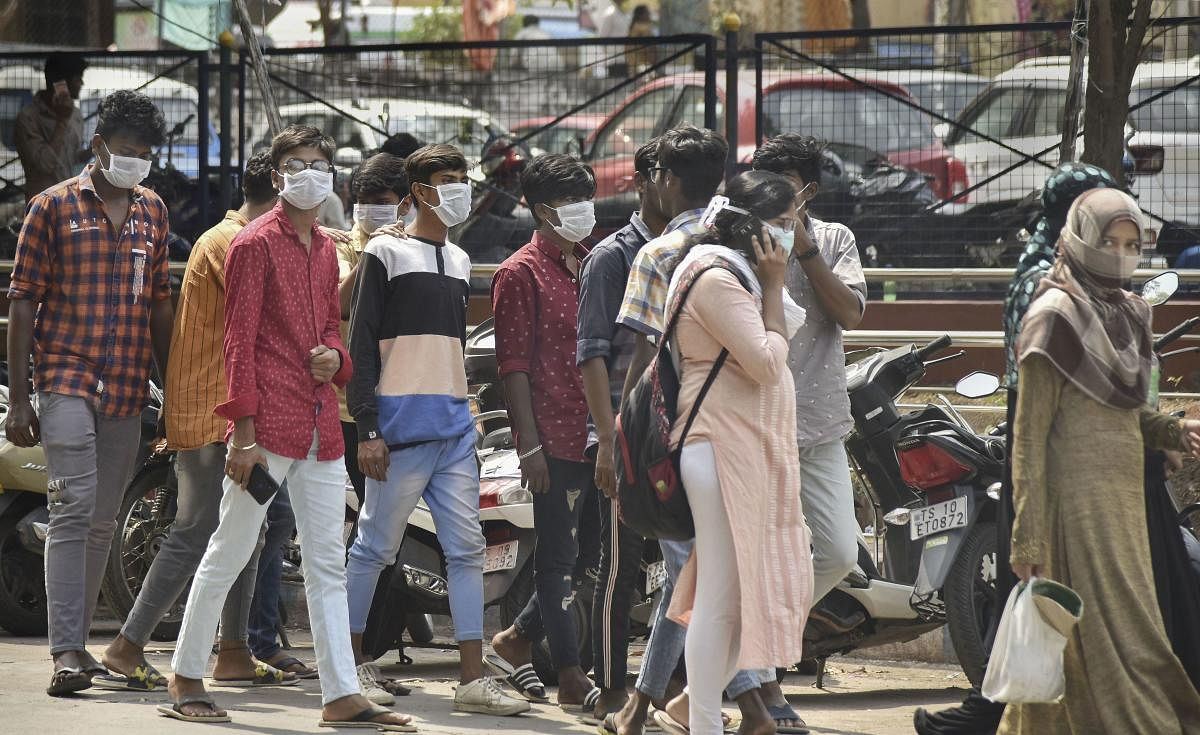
{"x":715,"y":205}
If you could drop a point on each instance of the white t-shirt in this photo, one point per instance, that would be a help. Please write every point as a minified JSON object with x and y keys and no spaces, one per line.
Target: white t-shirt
{"x":612,"y":22}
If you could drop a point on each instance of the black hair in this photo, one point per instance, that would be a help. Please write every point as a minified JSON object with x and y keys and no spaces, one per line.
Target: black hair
{"x":300,"y":136}
{"x":556,"y":176}
{"x":696,"y":156}
{"x":424,"y":162}
{"x":126,"y":112}
{"x":764,"y":195}
{"x":530,"y":20}
{"x":401,"y":144}
{"x":62,"y":65}
{"x":792,"y":152}
{"x":256,"y":180}
{"x":641,"y":12}
{"x":380,"y":173}
{"x":645,"y":158}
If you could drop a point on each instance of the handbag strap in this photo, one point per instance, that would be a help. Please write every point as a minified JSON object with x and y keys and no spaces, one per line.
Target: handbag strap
{"x":721,"y":358}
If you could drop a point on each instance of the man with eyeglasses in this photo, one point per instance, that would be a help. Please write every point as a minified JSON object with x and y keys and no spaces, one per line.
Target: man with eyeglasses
{"x":90,"y":298}
{"x":283,"y":349}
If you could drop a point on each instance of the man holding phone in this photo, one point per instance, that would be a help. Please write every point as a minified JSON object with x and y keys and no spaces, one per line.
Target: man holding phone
{"x":49,"y":130}
{"x":283,"y":349}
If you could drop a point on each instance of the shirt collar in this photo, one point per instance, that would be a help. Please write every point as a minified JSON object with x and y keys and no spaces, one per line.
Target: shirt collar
{"x":550,"y":250}
{"x":640,"y":227}
{"x":285,"y":226}
{"x":236,"y":217}
{"x":685,"y":220}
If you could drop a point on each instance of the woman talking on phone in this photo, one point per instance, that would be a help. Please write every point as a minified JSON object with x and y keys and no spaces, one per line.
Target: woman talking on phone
{"x":746,"y":590}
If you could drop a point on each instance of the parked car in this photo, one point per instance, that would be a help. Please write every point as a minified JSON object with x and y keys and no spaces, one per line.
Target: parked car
{"x":364,"y":124}
{"x":566,"y":136}
{"x":1023,"y":107}
{"x":945,"y":92}
{"x":858,"y":123}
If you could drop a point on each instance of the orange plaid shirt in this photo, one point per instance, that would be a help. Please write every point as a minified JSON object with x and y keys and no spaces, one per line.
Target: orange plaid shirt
{"x":94,"y":288}
{"x":196,"y":372}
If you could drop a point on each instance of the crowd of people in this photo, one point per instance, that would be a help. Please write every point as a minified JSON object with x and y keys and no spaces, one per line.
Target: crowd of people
{"x":299,"y":357}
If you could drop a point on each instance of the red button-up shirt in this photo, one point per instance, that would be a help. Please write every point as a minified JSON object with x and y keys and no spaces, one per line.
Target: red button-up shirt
{"x":535,"y":299}
{"x":281,"y":300}
{"x":95,"y":286}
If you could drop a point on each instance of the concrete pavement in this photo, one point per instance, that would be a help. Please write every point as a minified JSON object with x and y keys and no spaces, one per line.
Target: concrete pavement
{"x":861,"y":698}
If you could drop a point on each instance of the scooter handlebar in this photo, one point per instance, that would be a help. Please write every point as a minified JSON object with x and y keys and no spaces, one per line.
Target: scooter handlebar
{"x":1180,"y":330}
{"x":935,"y":346}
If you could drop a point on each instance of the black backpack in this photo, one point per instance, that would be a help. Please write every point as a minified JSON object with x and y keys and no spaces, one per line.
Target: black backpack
{"x":650,"y":492}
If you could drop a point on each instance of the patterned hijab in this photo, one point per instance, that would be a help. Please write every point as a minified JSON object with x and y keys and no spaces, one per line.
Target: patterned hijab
{"x":1062,"y":187}
{"x":1094,"y":332}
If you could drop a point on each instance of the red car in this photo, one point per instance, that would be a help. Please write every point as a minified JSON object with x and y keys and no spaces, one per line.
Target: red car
{"x":824,"y":105}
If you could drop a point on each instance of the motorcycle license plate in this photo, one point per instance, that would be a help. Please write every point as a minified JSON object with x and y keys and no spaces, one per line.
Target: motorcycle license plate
{"x":656,"y":577}
{"x":500,"y":557}
{"x":938,"y":518}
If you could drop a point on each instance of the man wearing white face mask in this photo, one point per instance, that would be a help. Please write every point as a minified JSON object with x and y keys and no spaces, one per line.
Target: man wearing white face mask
{"x":535,"y":297}
{"x":91,"y":290}
{"x":416,"y":437}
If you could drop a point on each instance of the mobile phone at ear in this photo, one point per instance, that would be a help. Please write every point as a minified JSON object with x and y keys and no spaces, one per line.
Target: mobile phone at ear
{"x":261,"y":487}
{"x":60,"y":87}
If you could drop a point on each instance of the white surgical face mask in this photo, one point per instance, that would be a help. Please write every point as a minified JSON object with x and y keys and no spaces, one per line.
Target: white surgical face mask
{"x":307,"y":189}
{"x":454,"y":203}
{"x":785,"y":238}
{"x":371,"y":217}
{"x":124,"y":172}
{"x":576,"y":221}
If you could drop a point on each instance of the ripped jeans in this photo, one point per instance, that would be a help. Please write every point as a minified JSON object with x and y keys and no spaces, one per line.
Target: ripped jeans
{"x":566,"y":519}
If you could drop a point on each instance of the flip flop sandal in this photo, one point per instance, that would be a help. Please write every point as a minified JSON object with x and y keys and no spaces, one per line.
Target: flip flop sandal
{"x":523,"y":679}
{"x":145,"y":678}
{"x":68,"y":680}
{"x":286,"y":664}
{"x":669,"y":725}
{"x":784,"y":712}
{"x":175,"y":709}
{"x":366,"y":720}
{"x":608,"y":726}
{"x":264,"y":676}
{"x":588,"y":706}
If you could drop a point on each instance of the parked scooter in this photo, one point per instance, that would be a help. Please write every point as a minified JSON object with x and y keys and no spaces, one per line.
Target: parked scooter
{"x":24,"y":519}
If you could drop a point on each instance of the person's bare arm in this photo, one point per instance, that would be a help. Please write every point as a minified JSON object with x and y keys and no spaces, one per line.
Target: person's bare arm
{"x":162,"y":320}
{"x":518,"y":396}
{"x":346,"y":290}
{"x":643,"y":353}
{"x":21,"y":427}
{"x":837,"y":299}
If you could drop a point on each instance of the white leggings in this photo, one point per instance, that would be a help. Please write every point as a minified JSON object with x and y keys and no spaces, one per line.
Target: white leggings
{"x":714,"y":635}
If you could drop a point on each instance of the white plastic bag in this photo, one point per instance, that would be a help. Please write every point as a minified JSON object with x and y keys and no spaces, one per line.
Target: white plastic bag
{"x":1026,"y":664}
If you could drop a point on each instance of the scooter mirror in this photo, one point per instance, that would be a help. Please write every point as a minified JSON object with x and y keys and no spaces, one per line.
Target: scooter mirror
{"x":1158,"y":290}
{"x":977,"y":385}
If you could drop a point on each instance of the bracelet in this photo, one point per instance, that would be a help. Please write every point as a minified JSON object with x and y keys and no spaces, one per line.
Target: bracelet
{"x":530,"y":453}
{"x":808,"y":254}
{"x":253,"y":445}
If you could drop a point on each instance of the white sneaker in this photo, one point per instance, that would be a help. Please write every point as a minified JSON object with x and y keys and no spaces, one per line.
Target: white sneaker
{"x":484,"y":696}
{"x":368,"y":681}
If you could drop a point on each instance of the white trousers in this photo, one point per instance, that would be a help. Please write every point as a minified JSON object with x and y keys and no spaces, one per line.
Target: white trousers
{"x":714,"y":635}
{"x":317,"y":493}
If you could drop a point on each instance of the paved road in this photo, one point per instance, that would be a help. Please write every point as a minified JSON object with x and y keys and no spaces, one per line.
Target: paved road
{"x":861,"y":698}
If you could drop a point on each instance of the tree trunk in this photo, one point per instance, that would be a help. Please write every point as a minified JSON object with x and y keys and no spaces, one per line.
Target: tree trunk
{"x":1114,"y":50}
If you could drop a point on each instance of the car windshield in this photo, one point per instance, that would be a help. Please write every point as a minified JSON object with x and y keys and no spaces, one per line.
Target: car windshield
{"x":558,"y":139}
{"x":856,"y":117}
{"x":461,"y":130}
{"x":1176,"y":112}
{"x":945,"y":98}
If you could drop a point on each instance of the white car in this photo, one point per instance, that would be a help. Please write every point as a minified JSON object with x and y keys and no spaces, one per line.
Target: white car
{"x":945,"y":92}
{"x":364,"y":124}
{"x":1023,"y":107}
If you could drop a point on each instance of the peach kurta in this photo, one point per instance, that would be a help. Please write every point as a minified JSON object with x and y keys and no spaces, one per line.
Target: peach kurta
{"x":749,"y":417}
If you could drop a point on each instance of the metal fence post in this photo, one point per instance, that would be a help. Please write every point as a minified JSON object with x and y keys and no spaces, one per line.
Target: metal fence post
{"x":241,"y":69}
{"x":710,"y":84}
{"x":202,"y":141}
{"x":732,"y":24}
{"x":226,"y":91}
{"x":758,"y":95}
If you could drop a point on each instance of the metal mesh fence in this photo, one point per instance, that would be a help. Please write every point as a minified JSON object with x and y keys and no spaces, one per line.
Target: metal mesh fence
{"x":171,"y":80}
{"x":979,"y":113}
{"x":500,"y":103}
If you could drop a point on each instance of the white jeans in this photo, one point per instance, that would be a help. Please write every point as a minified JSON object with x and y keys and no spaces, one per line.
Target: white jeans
{"x":714,"y":635}
{"x":317,"y":493}
{"x":828,"y":498}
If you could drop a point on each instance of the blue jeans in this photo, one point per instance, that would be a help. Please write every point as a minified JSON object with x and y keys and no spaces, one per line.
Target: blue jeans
{"x":444,"y":473}
{"x":667,"y":638}
{"x":264,"y":611}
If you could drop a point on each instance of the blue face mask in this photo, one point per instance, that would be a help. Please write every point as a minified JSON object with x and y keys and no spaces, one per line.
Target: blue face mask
{"x":785,"y":238}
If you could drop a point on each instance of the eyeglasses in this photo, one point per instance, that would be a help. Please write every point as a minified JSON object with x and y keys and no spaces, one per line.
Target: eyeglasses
{"x":295,"y":166}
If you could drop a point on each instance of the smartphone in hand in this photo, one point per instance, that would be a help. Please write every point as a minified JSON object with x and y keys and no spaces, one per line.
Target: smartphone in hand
{"x":261,"y":487}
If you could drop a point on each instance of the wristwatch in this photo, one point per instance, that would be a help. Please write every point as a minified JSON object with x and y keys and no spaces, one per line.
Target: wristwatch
{"x":810,"y":253}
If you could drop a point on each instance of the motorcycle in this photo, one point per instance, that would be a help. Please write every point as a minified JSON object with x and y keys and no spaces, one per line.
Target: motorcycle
{"x":24,"y":520}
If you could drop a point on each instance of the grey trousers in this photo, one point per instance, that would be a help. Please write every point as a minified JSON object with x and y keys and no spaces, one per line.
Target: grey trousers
{"x":90,"y":460}
{"x":201,"y":473}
